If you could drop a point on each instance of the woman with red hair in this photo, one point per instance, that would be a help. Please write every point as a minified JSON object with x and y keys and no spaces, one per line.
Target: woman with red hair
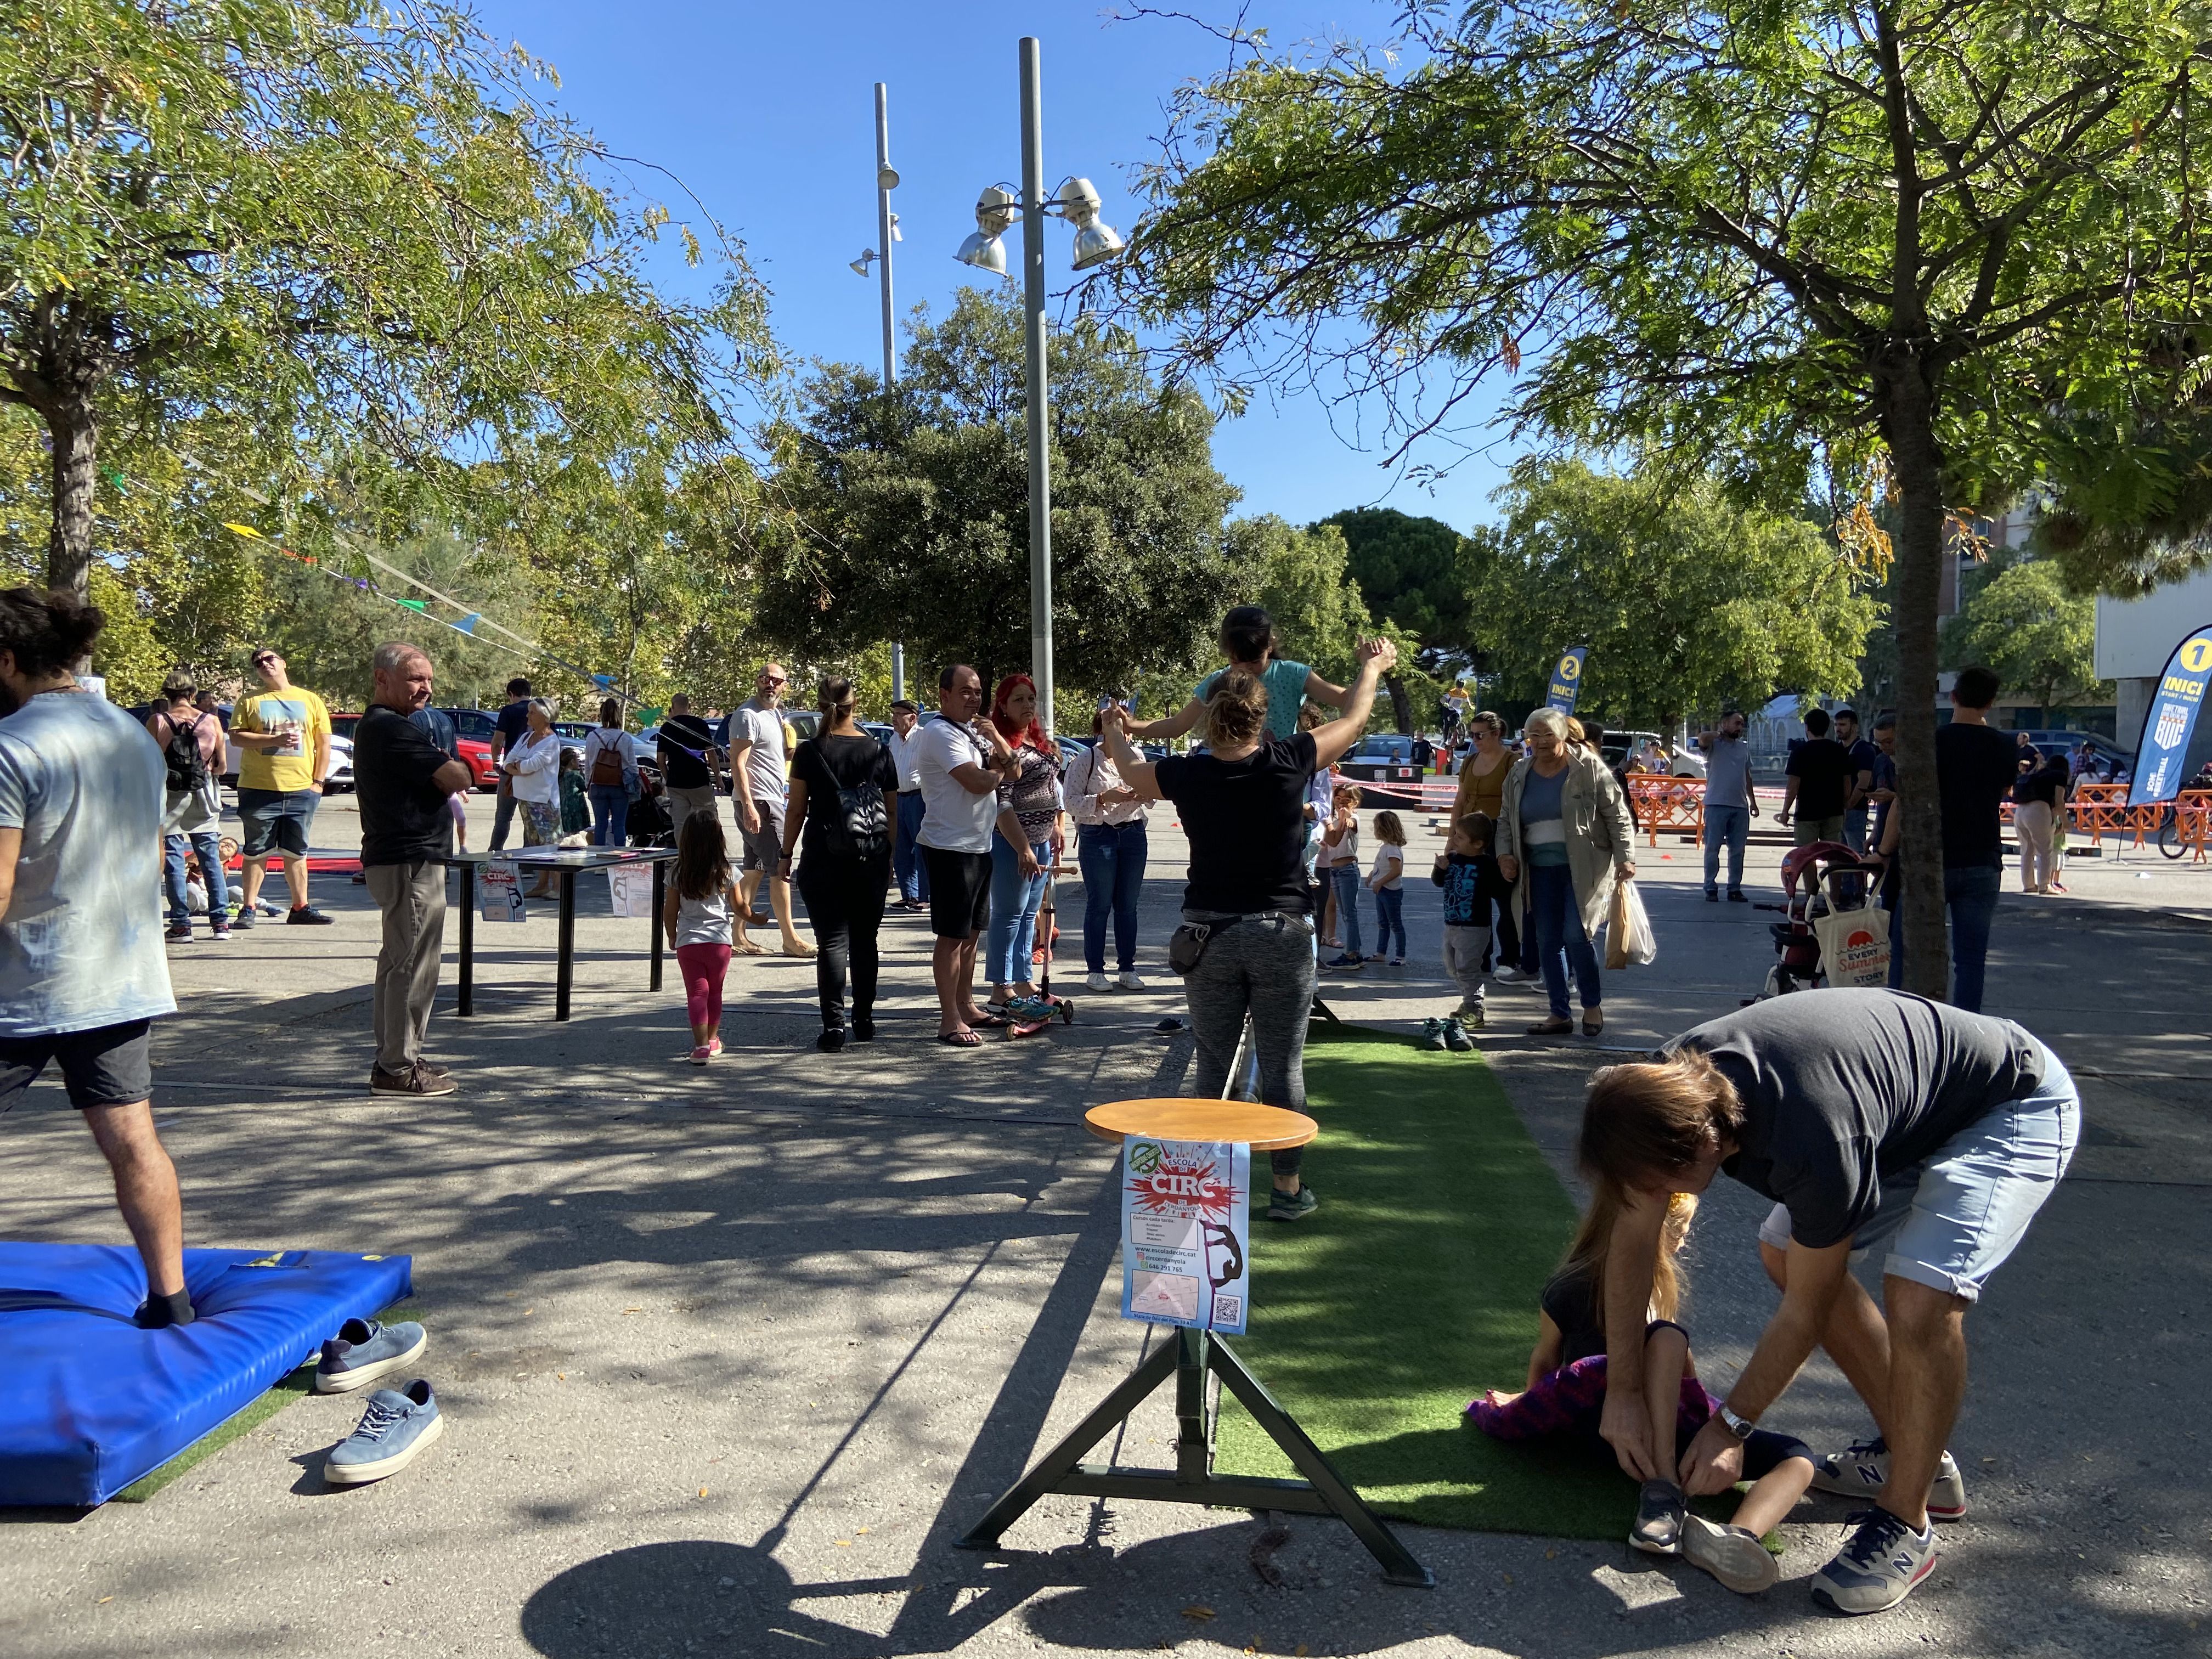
{"x":1023,"y":848}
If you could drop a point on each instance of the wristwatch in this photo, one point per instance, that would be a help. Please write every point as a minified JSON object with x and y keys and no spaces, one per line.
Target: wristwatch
{"x":1741,"y":1427}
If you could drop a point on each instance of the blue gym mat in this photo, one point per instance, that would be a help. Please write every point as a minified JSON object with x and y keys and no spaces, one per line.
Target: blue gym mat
{"x":88,"y":1402}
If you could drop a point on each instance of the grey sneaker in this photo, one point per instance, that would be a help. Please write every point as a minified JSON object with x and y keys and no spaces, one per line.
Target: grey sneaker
{"x":1878,"y":1566}
{"x":1432,"y":1035}
{"x":1660,"y":1507}
{"x":1732,"y":1554}
{"x":1292,"y":1207}
{"x":1457,"y":1037}
{"x":1862,"y":1470}
{"x":398,"y":1424}
{"x":363,"y":1351}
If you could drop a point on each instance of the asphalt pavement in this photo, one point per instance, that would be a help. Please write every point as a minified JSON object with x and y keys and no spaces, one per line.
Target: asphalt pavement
{"x":732,"y":1355}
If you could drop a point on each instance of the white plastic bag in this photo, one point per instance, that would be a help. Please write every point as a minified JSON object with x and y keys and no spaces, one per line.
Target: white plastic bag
{"x":1637,"y":940}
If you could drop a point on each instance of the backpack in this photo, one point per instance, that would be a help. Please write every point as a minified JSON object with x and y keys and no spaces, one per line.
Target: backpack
{"x":860,"y":827}
{"x":607,"y":766}
{"x":188,"y":770}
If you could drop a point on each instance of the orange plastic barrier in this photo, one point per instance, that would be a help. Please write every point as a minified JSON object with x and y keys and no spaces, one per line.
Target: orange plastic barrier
{"x":1674,"y":805}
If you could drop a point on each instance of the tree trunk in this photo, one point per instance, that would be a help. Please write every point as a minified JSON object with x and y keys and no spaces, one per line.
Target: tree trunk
{"x":1402,"y":706}
{"x":68,"y":546}
{"x":1918,"y":543}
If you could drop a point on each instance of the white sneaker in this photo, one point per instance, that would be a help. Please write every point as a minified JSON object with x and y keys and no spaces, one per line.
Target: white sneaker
{"x":1097,"y":982}
{"x":1131,"y":980}
{"x":1512,"y":976}
{"x":1862,"y":1470}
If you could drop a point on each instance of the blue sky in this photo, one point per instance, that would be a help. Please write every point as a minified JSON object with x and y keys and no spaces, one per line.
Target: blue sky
{"x":767,"y":111}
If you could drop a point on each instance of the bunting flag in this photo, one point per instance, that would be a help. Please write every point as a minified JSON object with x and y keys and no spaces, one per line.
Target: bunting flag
{"x":419,"y":606}
{"x":467,"y":625}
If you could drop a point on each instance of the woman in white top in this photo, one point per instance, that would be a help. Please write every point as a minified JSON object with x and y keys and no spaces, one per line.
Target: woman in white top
{"x":1110,"y":847}
{"x":533,"y":765}
{"x":610,"y":774}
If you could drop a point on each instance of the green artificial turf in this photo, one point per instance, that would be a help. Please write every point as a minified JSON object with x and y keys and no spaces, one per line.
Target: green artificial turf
{"x":1409,"y":1291}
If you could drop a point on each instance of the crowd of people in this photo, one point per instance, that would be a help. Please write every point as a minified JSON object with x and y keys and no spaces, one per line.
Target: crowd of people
{"x":1866,"y":1117}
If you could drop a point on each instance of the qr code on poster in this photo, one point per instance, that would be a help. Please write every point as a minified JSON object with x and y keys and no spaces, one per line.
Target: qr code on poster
{"x":1228,"y":1310}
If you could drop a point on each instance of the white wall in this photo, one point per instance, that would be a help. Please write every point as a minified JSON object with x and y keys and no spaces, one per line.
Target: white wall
{"x":2136,"y":636}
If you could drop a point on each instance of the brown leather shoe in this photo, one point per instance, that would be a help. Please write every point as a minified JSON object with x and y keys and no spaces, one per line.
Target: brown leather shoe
{"x":1593,"y":1022}
{"x":1552,"y":1028}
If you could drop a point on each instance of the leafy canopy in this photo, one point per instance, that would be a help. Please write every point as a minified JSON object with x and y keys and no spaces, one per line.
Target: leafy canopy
{"x":1409,"y":568}
{"x":336,"y":225}
{"x":909,"y":513}
{"x":2020,"y":621}
{"x":1687,"y":602}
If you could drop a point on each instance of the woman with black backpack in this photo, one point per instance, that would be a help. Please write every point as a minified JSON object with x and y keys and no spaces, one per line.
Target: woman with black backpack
{"x":842,"y":783}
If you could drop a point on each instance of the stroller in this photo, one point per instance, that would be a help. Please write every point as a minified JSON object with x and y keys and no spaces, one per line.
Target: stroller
{"x":1817,"y":878}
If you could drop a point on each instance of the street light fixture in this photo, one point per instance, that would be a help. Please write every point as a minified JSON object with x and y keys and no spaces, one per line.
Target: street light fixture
{"x":996,"y":211}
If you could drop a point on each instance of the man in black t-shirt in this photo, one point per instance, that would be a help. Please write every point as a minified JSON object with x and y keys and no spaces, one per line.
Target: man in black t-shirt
{"x":1975,"y":765}
{"x":1865,"y":759}
{"x":508,"y":727}
{"x":1818,"y":785}
{"x":686,"y":747}
{"x":404,"y":782}
{"x":1871,"y":1117}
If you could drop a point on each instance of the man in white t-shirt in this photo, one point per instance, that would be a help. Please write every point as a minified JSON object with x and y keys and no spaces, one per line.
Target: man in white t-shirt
{"x":757,"y":775}
{"x":959,"y":766}
{"x":907,"y":866}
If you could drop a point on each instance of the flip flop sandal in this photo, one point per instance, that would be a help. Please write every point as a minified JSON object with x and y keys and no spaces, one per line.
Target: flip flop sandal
{"x":990,"y":1022}
{"x":802,"y":953}
{"x":960,"y":1039}
{"x":748,"y":949}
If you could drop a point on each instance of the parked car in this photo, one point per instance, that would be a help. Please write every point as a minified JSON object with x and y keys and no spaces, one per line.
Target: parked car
{"x":2111,"y":759}
{"x":475,"y":728}
{"x":1381,"y":759}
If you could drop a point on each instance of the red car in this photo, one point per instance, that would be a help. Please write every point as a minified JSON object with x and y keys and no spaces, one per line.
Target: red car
{"x":474,"y":751}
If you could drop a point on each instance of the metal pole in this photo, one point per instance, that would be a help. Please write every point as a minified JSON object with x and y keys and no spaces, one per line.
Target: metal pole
{"x":890,"y":351}
{"x":1033,"y":202}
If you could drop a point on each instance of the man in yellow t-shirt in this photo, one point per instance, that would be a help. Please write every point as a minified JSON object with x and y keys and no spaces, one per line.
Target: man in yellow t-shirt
{"x":283,"y":732}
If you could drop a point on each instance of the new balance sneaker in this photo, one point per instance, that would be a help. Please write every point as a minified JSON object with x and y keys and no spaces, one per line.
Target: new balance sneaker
{"x":1131,"y":980}
{"x":1879,"y":1565}
{"x":1863,"y":1470}
{"x":1660,"y":1507}
{"x":1457,"y":1037}
{"x":1292,"y":1207}
{"x":180,"y":932}
{"x":363,"y":1351}
{"x":1732,"y":1554}
{"x":306,"y":915}
{"x":398,"y":1423}
{"x":1432,"y":1035}
{"x":1097,"y":982}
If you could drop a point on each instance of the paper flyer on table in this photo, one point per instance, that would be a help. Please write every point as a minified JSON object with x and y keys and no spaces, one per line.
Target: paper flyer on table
{"x":1185,"y":1233}
{"x":499,"y":889}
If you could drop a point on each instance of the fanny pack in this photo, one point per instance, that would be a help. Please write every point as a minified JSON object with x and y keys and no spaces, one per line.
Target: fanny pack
{"x":1187,"y":945}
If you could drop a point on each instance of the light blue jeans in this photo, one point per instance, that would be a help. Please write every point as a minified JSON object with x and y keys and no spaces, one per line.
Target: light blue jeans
{"x":1014,"y":900}
{"x":1729,"y":827}
{"x":1347,"y":879}
{"x":1952,"y":1221}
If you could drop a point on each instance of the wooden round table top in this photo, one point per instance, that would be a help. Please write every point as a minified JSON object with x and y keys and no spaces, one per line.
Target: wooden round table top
{"x":1263,"y":1128}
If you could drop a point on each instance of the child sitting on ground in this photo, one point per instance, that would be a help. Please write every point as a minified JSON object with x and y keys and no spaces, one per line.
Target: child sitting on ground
{"x":1383,"y":881}
{"x":1468,"y":873}
{"x":701,"y":914}
{"x":1565,"y":1394}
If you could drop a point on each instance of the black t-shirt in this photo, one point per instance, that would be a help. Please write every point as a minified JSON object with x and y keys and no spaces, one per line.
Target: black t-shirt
{"x":2047,"y":784}
{"x":683,"y":742}
{"x":1975,"y":766}
{"x":1570,"y":1300}
{"x":404,"y":818}
{"x":1866,"y":757}
{"x":1245,"y":821}
{"x":511,"y":722}
{"x":1842,"y":1087}
{"x":1823,"y":770}
{"x":826,"y":765}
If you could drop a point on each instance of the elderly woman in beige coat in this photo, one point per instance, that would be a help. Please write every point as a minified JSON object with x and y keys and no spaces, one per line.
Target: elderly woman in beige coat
{"x":1564,"y":837}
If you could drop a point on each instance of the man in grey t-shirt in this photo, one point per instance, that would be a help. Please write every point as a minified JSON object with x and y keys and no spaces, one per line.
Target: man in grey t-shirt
{"x":761,"y":785}
{"x":1871,"y":1117}
{"x":1730,"y":806}
{"x":82,"y":971}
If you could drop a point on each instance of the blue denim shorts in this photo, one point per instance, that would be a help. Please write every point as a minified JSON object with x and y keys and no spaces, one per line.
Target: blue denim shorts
{"x":1952,"y":1220}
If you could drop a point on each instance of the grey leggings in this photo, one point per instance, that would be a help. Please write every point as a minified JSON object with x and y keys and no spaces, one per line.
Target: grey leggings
{"x":1266,"y":967}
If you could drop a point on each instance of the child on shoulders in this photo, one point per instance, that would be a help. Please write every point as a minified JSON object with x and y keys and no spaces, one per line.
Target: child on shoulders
{"x":1565,"y":1395}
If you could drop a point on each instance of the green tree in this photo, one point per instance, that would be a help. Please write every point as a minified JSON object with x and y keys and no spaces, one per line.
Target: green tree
{"x":332,"y":225}
{"x":1411,"y":572}
{"x":1951,"y":240}
{"x":2021,"y":621}
{"x":1686,"y":601}
{"x":908,"y":515}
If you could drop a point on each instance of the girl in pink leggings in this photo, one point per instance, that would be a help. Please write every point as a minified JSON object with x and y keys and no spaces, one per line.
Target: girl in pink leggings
{"x":701,"y":900}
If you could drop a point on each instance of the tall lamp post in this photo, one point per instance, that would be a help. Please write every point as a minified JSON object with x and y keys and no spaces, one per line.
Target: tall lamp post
{"x":996,"y":210}
{"x":887,"y":232}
